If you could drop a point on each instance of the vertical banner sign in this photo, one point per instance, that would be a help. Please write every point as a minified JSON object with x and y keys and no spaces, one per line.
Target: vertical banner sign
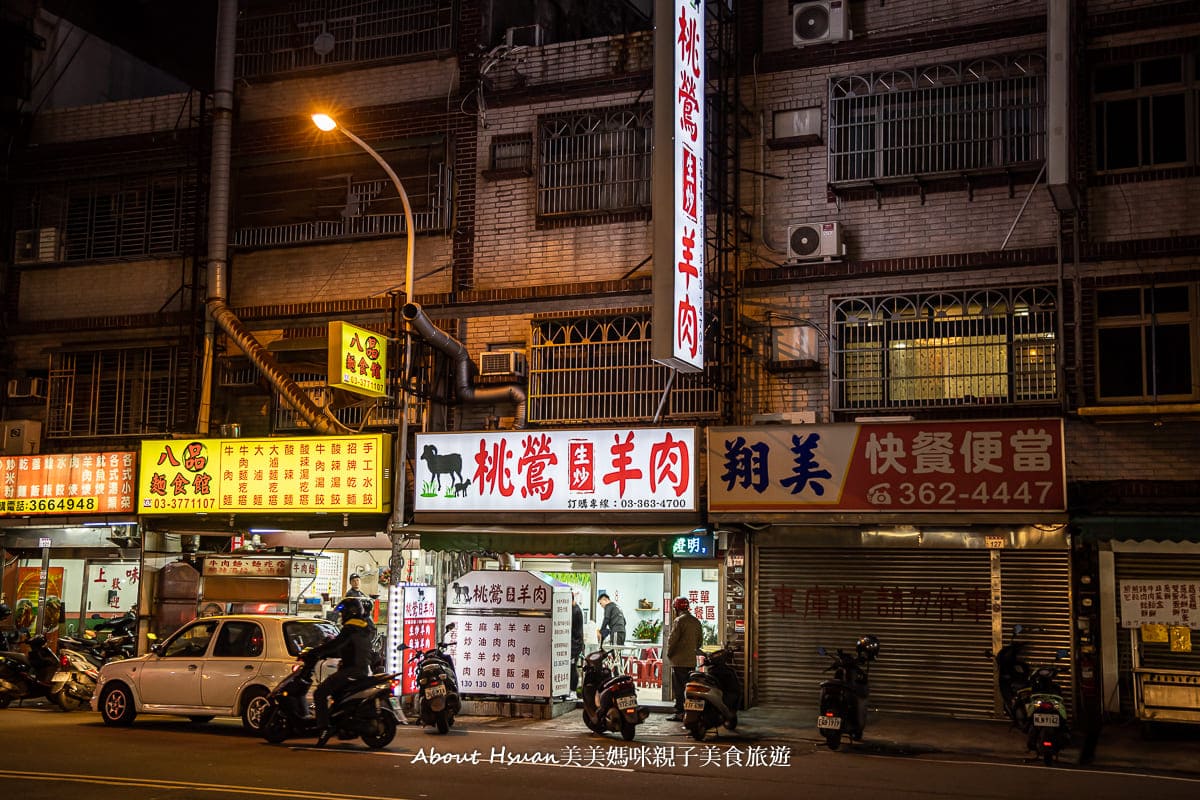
{"x":678,"y":190}
{"x":420,"y":621}
{"x":357,"y":360}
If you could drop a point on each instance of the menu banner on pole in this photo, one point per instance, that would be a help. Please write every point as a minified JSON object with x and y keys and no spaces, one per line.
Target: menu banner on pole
{"x":1160,"y":602}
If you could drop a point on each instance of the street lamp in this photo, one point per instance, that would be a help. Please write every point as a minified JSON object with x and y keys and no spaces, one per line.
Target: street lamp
{"x":328,"y":123}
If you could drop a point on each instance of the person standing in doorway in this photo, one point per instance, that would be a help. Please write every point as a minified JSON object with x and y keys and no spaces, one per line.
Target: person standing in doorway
{"x":686,"y":637}
{"x":576,"y":639}
{"x":612,"y":626}
{"x":355,"y":589}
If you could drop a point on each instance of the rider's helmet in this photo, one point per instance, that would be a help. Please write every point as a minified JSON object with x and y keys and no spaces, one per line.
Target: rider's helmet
{"x":681,"y":604}
{"x":5,"y":611}
{"x":352,"y":608}
{"x":867,"y":647}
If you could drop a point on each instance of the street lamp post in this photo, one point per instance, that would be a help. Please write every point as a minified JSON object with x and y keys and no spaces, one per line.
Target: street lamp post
{"x":327,"y":123}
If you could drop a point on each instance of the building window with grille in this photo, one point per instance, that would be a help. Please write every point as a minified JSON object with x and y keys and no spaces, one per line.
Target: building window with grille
{"x":118,"y":392}
{"x":1144,"y":113}
{"x":973,"y":348}
{"x":595,"y":163}
{"x":1146,"y":343}
{"x":598,"y":369}
{"x":511,"y":157}
{"x":982,"y":115}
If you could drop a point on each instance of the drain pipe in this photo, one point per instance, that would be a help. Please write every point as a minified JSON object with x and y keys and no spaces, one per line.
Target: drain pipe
{"x":464,"y":372}
{"x":218,"y":245}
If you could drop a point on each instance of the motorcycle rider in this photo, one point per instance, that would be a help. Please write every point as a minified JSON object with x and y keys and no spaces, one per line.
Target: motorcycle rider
{"x":353,"y":646}
{"x":686,"y":637}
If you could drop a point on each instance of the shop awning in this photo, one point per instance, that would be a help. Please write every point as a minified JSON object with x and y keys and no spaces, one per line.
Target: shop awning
{"x":1139,"y":527}
{"x":566,"y":540}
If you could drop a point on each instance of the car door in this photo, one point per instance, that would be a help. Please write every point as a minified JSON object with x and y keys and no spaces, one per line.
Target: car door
{"x":237,"y":657}
{"x":172,"y":677}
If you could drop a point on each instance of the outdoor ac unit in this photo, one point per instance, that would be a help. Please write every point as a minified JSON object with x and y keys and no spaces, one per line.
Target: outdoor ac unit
{"x":809,"y":240}
{"x":786,"y":418}
{"x":36,"y":245}
{"x":22,"y":437}
{"x":27,"y":387}
{"x":502,"y":362}
{"x":825,"y":21}
{"x":524,"y":36}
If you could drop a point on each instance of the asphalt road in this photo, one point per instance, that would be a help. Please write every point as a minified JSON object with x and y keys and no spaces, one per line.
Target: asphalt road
{"x":45,"y":753}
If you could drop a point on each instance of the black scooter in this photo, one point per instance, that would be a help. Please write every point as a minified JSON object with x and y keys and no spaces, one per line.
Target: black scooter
{"x":366,"y":710}
{"x":843,"y":705}
{"x":121,"y":641}
{"x":1032,"y":697}
{"x":609,"y":700}
{"x":26,"y":677}
{"x":712,"y":694}
{"x":437,"y":685}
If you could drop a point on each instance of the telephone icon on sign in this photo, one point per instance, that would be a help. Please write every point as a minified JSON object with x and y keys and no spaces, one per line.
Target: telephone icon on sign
{"x":878,"y":495}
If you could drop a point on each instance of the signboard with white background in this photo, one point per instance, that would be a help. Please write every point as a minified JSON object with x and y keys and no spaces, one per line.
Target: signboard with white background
{"x":616,"y":469}
{"x":513,"y":631}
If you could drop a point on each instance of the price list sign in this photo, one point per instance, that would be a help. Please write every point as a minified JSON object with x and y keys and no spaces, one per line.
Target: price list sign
{"x":68,"y":483}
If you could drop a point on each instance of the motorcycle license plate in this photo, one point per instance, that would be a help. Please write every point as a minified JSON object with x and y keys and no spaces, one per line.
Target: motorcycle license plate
{"x":1045,"y":720}
{"x":626,"y":701}
{"x":829,"y":723}
{"x":693,"y":705}
{"x":435,"y":691}
{"x":394,"y":702}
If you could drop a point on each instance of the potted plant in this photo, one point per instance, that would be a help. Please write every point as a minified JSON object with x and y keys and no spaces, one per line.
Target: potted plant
{"x":647,"y":631}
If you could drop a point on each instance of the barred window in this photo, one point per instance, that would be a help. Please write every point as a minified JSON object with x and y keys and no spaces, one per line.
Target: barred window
{"x":958,"y":117}
{"x":599,"y":370}
{"x":346,"y":196}
{"x":595,"y":162}
{"x":128,"y":216}
{"x":118,"y":392}
{"x":972,"y":348}
{"x":1141,"y":113}
{"x":1146,"y":343}
{"x":289,"y":36}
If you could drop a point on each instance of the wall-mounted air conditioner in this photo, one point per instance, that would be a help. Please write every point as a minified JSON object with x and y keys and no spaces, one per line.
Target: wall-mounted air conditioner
{"x":22,"y":437}
{"x":502,"y":362}
{"x":34,"y":388}
{"x":813,"y":240}
{"x":824,"y":21}
{"x":524,"y":36}
{"x":36,"y":245}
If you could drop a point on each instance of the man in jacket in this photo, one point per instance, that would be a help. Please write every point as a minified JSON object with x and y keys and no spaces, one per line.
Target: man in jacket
{"x":576,"y":639}
{"x":612,"y":626}
{"x":686,"y":637}
{"x":353,"y":646}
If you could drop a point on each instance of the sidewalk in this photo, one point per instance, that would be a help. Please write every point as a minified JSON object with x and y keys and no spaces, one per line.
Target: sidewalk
{"x":1171,"y":749}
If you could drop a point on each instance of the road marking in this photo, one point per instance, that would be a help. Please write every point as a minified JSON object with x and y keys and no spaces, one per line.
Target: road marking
{"x":1072,"y":769}
{"x":151,"y":783}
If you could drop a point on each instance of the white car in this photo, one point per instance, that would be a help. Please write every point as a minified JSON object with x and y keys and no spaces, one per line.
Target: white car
{"x":220,"y":666}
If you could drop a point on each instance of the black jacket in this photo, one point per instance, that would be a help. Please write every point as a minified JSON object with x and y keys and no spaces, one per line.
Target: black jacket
{"x":352,"y":645}
{"x":576,"y":630}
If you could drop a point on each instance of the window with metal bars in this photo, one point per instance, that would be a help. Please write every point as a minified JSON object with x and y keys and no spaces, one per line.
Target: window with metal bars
{"x":598,"y":369}
{"x":118,"y":392}
{"x":288,"y":36}
{"x":128,"y":216}
{"x":982,"y":347}
{"x":1146,"y":343}
{"x":951,"y":118}
{"x":595,"y":162}
{"x":1144,"y":113}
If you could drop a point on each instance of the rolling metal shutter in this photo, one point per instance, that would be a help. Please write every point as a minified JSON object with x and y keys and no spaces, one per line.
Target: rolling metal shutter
{"x":929,"y":608}
{"x":1152,"y":567}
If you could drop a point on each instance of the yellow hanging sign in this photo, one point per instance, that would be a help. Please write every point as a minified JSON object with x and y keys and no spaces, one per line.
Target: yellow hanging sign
{"x":357,"y":360}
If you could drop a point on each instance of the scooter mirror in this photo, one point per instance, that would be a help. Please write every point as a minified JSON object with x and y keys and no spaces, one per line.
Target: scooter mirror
{"x":1060,"y":653}
{"x":821,"y":650}
{"x":1017,"y":630}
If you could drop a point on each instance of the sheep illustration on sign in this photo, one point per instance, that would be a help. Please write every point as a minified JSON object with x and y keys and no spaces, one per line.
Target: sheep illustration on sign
{"x":449,"y":464}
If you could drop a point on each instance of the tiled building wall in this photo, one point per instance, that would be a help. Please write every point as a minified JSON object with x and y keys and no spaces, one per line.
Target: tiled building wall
{"x":99,"y":290}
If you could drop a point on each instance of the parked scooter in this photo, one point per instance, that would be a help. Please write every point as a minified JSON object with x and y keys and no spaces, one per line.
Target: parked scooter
{"x":367,"y":710}
{"x":1032,"y":697}
{"x":121,"y":641}
{"x":609,"y":699}
{"x":712,"y":694}
{"x":75,"y":681}
{"x":29,"y":676}
{"x":843,"y":706}
{"x":437,"y":685}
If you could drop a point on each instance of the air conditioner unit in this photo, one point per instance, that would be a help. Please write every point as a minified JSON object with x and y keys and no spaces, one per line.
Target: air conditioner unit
{"x":524,"y":36}
{"x":27,"y":387}
{"x":786,"y":418}
{"x":22,"y":437}
{"x":810,"y":240}
{"x":825,"y":21}
{"x":37,"y":245}
{"x":502,"y":362}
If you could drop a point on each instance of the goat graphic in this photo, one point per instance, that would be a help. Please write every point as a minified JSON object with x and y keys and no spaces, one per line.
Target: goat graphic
{"x":460,"y":489}
{"x":462,"y":594}
{"x":449,"y":464}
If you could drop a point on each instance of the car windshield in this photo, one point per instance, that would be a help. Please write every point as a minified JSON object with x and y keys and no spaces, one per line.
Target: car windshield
{"x":300,"y":634}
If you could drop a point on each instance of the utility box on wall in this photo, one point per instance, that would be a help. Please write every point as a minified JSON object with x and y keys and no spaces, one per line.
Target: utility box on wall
{"x":22,"y":437}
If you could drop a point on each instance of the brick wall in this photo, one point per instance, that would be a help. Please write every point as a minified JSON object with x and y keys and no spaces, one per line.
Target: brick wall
{"x":123,"y":118}
{"x":1138,"y":451}
{"x":141,"y":287}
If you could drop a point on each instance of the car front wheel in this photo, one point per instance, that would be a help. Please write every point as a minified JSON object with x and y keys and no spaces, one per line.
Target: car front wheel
{"x":116,"y":705}
{"x":254,"y":706}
